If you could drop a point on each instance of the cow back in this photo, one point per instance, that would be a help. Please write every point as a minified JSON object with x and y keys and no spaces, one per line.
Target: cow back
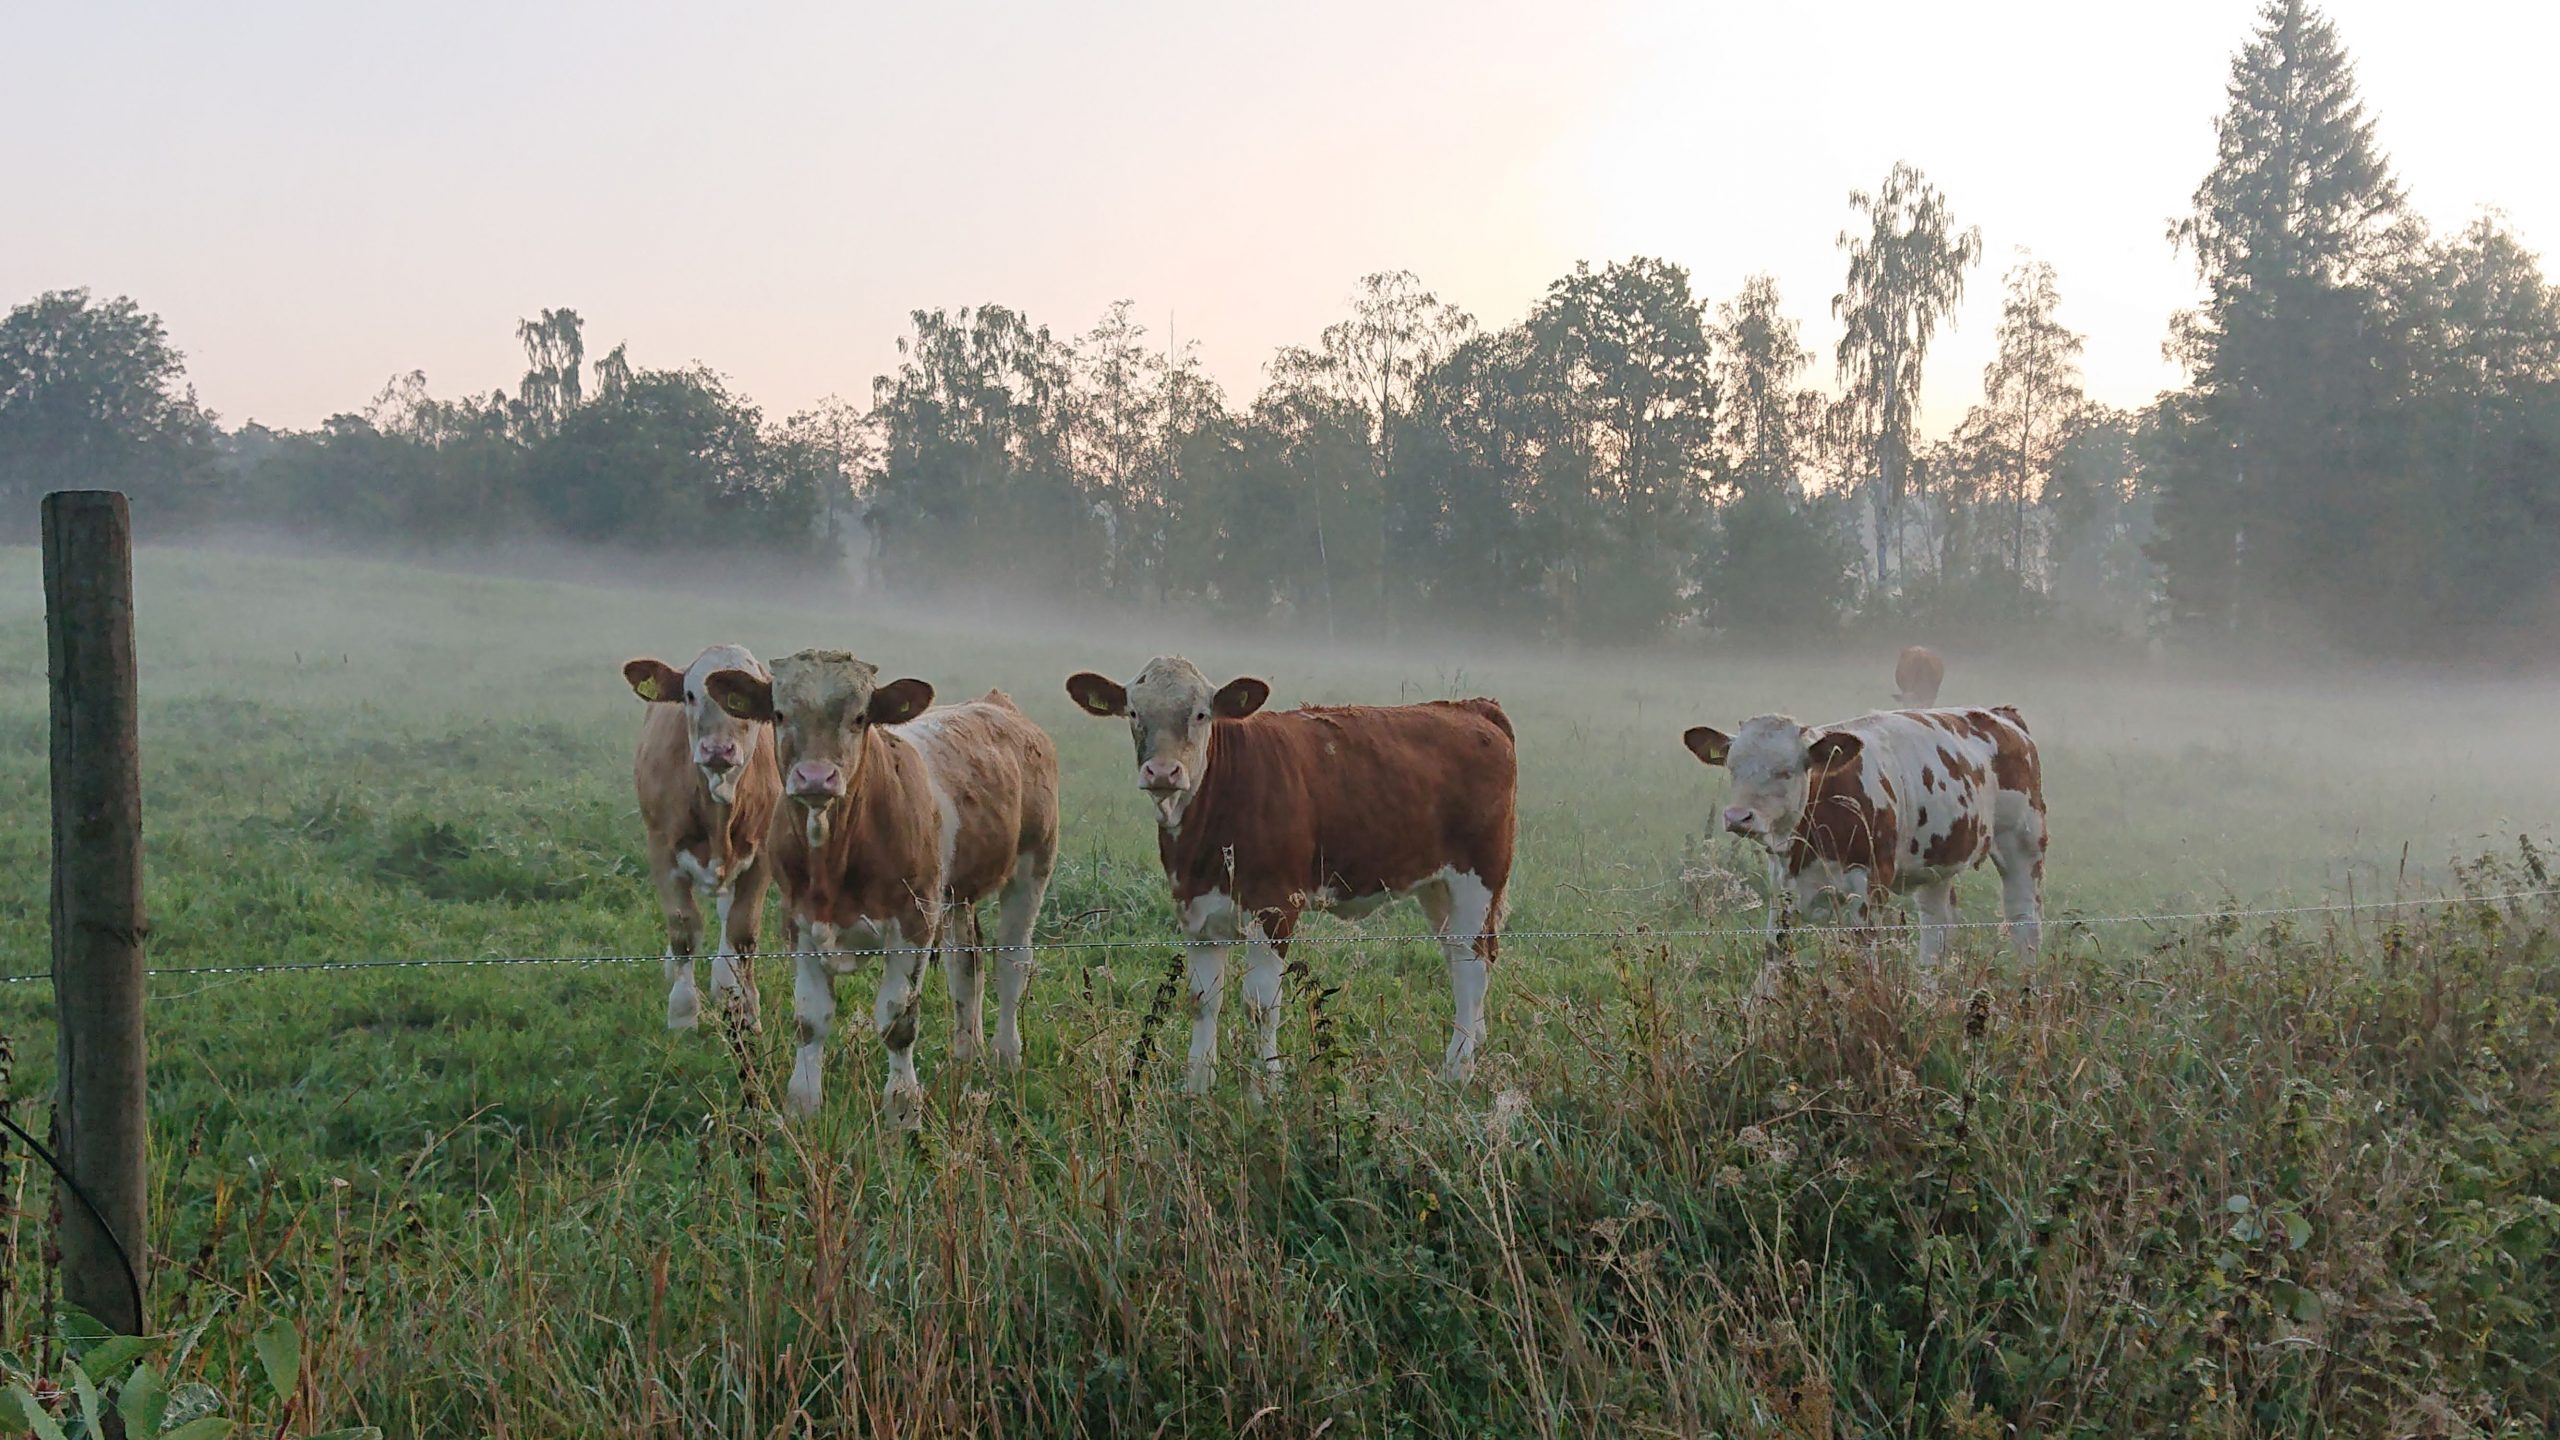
{"x":994,"y":780}
{"x":1346,"y":801}
{"x":1921,"y":795}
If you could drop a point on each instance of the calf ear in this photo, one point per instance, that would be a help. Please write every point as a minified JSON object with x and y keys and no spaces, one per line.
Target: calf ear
{"x":1707,"y":743}
{"x":653,"y":679}
{"x":1239,"y":697}
{"x":745,"y":695}
{"x":1833,"y":747}
{"x":898,"y":702}
{"x":1097,"y":694}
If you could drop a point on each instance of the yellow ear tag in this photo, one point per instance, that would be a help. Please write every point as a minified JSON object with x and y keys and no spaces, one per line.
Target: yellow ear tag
{"x":648,"y":688}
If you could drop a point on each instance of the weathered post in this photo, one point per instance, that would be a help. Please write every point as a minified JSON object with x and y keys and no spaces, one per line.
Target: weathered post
{"x":97,"y":901}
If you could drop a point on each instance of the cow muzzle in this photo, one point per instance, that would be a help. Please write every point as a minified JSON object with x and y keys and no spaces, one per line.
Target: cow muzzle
{"x":1161,"y":777}
{"x":815,"y":783}
{"x":1743,"y":820}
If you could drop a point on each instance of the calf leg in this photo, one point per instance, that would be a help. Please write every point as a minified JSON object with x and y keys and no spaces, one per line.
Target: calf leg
{"x":964,"y":971}
{"x":733,"y":980}
{"x":1213,"y":925}
{"x":684,"y":936}
{"x":1462,"y":912}
{"x":2017,"y":852}
{"x":1936,"y":905}
{"x":894,"y":1014}
{"x":813,"y":1008}
{"x":1773,"y":951}
{"x":1265,"y":956}
{"x":1017,"y":912}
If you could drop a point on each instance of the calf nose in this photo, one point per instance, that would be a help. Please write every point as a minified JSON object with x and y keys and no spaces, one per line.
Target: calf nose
{"x":816,"y":780}
{"x":1737,"y":818}
{"x":1160,"y":775}
{"x":717,"y":755}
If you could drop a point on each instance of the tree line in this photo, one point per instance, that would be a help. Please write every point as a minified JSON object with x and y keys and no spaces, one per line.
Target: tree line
{"x":2368,"y":441}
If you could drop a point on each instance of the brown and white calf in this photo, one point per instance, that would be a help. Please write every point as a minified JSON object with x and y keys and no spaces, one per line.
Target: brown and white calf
{"x":1917,"y":674}
{"x":1260,"y":818}
{"x":707,"y":786}
{"x":1903,"y":801}
{"x":901,"y":819}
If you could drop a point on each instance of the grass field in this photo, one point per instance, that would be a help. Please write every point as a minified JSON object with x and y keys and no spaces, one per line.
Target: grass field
{"x":2243,"y":1176}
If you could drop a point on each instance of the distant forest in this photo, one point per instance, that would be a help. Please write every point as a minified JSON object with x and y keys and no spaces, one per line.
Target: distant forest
{"x":2367,"y":444}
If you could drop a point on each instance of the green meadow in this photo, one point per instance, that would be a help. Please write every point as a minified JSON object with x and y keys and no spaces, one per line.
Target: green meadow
{"x":2229,"y":1174}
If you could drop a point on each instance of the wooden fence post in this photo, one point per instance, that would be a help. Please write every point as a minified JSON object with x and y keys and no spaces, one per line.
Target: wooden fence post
{"x":97,"y":902}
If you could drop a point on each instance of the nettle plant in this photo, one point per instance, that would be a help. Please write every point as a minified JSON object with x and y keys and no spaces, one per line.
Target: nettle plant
{"x":126,"y":1377}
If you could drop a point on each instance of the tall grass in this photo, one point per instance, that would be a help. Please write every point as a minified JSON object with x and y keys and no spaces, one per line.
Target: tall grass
{"x":2258,"y":1182}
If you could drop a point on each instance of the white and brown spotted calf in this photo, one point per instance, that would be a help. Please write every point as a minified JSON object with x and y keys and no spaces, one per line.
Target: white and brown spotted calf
{"x":1904,"y":801}
{"x":900,"y":820}
{"x":1261,"y":817}
{"x":707,"y":786}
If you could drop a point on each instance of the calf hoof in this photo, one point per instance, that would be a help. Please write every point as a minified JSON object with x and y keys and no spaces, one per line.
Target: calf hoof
{"x":684,"y":1008}
{"x":964,"y":1049}
{"x":1009,"y":1057}
{"x":902,"y":1108}
{"x":1196,"y":1080}
{"x":802,"y":1098}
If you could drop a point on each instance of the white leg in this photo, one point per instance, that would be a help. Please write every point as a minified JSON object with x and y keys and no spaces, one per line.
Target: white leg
{"x":1936,"y":906}
{"x":894,"y":1014}
{"x":1468,"y":977}
{"x":1263,"y":962}
{"x":684,"y":937}
{"x":1468,"y":914}
{"x":2017,"y":852}
{"x":964,"y":971}
{"x":1853,"y":897}
{"x":1773,"y":958}
{"x":1017,"y":912}
{"x":813,"y":1009}
{"x":730,"y":992}
{"x":1208,"y":992}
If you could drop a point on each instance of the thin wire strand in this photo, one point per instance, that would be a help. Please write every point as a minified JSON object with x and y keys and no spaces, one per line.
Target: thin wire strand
{"x":1634,"y":932}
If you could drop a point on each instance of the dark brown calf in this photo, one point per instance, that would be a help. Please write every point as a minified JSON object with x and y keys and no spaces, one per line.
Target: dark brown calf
{"x":1261,"y":817}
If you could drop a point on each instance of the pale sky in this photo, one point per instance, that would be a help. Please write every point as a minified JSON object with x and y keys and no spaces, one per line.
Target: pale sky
{"x":318,"y":196}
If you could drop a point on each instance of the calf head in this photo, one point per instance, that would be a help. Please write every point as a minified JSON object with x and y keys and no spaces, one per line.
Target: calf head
{"x":822,"y":704}
{"x":1774,"y":763}
{"x":720,"y":744}
{"x":1170,"y":707}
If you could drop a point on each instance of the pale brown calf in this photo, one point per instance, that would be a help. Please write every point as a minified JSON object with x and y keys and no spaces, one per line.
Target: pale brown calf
{"x":901,"y":820}
{"x":708,"y":787}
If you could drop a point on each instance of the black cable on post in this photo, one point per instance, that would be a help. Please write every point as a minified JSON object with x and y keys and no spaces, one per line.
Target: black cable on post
{"x":124,"y":1257}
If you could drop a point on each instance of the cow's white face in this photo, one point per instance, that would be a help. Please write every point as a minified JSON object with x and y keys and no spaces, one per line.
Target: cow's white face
{"x":1170,"y":708}
{"x":1772,"y":762}
{"x":822,"y":704}
{"x":719,"y":743}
